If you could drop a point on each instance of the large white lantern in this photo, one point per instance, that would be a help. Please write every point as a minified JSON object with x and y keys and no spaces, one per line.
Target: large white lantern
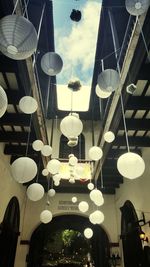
{"x":130,"y":165}
{"x":90,"y":186}
{"x":18,"y":37}
{"x":83,"y":206}
{"x":73,"y":160}
{"x":137,"y":7}
{"x":71,"y":126}
{"x":88,"y":233}
{"x":97,"y":217}
{"x":35,"y":191}
{"x":53,"y":166}
{"x":28,"y":105}
{"x":95,"y":153}
{"x":51,"y":63}
{"x":46,"y":216}
{"x":102,"y":94}
{"x":37,"y":145}
{"x":108,"y":80}
{"x":109,"y":137}
{"x":23,"y":169}
{"x":46,"y":150}
{"x":3,"y":102}
{"x":51,"y":192}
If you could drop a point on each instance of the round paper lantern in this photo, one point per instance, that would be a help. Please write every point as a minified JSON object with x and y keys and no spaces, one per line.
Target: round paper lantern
{"x":95,"y":195}
{"x":46,"y":150}
{"x":137,"y":7}
{"x":3,"y":102}
{"x":51,"y":192}
{"x":83,"y":206}
{"x":100,"y":93}
{"x":79,"y":170}
{"x":73,"y":160}
{"x":57,"y":177}
{"x":35,"y":191}
{"x":71,"y":180}
{"x":95,"y":153}
{"x":28,"y":105}
{"x":37,"y":145}
{"x":109,"y":137}
{"x":57,"y":183}
{"x":46,"y":216}
{"x":45,"y":172}
{"x":53,"y":166}
{"x":88,"y":233}
{"x":51,"y":63}
{"x":18,"y":37}
{"x":130,"y":165}
{"x":90,"y":186}
{"x":108,"y":80}
{"x":99,"y":201}
{"x":71,"y":126}
{"x":74,"y":199}
{"x":24,"y":169}
{"x":97,"y":217}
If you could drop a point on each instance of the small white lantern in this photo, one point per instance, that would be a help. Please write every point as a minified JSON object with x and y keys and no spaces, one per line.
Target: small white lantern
{"x":51,"y":63}
{"x":57,"y":177}
{"x":131,"y":165}
{"x":83,"y":206}
{"x":95,"y":194}
{"x":46,"y":216}
{"x":45,"y":172}
{"x":28,"y":105}
{"x":71,"y":126}
{"x":72,"y":180}
{"x":3,"y":102}
{"x":35,"y":191}
{"x":74,"y":199}
{"x":100,"y":93}
{"x":99,"y":201}
{"x":73,"y":160}
{"x":46,"y":150}
{"x":109,"y":137}
{"x":51,"y":192}
{"x":53,"y":166}
{"x":57,"y":183}
{"x":79,"y":170}
{"x":37,"y":145}
{"x":137,"y":7}
{"x":97,"y":217}
{"x":108,"y":80}
{"x":95,"y":153}
{"x":90,"y":186}
{"x":88,"y":233}
{"x":24,"y":169}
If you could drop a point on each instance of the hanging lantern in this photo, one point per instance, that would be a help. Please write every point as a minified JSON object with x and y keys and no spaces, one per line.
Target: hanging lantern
{"x":24,"y":169}
{"x":46,"y":150}
{"x":18,"y":37}
{"x":28,"y":105}
{"x":109,"y":137}
{"x":57,"y":183}
{"x":73,"y":160}
{"x":97,"y":217}
{"x":71,"y":126}
{"x":3,"y":102}
{"x":79,"y":170}
{"x":83,"y":206}
{"x":90,"y":186}
{"x":72,"y":180}
{"x":45,"y":172}
{"x":51,"y":192}
{"x":130,"y":165}
{"x":137,"y":7}
{"x":108,"y":80}
{"x":53,"y":166}
{"x":95,"y":153}
{"x":74,"y":199}
{"x":88,"y":233}
{"x":97,"y":197}
{"x":57,"y":177}
{"x":51,"y":63}
{"x":37,"y":145}
{"x":102,"y":94}
{"x":46,"y":216}
{"x":35,"y":191}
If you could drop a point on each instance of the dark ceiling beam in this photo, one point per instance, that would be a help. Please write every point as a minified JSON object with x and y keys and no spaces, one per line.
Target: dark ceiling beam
{"x":136,"y":125}
{"x":19,"y":150}
{"x":16,"y":137}
{"x":14,"y":96}
{"x":138,"y":103}
{"x":15,"y":119}
{"x":115,"y":154}
{"x":144,"y":72}
{"x":133,"y":141}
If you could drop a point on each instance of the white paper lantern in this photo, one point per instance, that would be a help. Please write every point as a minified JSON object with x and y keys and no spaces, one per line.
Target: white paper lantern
{"x":37,"y":145}
{"x":99,"y":201}
{"x":109,"y":137}
{"x":18,"y":37}
{"x":95,"y":194}
{"x":130,"y":165}
{"x":100,"y":93}
{"x":71,"y":126}
{"x":46,"y":216}
{"x":71,"y":180}
{"x":74,"y":199}
{"x":97,"y":217}
{"x":79,"y":170}
{"x":83,"y":206}
{"x":51,"y":63}
{"x":28,"y":105}
{"x":73,"y":160}
{"x":53,"y":166}
{"x":51,"y":192}
{"x":46,"y":150}
{"x":95,"y":153}
{"x":88,"y":233}
{"x":35,"y":191}
{"x":90,"y":186}
{"x":3,"y":102}
{"x":108,"y":80}
{"x":137,"y":7}
{"x":23,"y":169}
{"x":57,"y":183}
{"x":45,"y":172}
{"x":57,"y":177}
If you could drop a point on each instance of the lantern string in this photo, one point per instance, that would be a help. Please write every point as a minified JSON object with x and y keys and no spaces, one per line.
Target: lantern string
{"x":28,"y":138}
{"x":144,"y":40}
{"x":25,"y":12}
{"x":15,"y":6}
{"x":102,"y":183}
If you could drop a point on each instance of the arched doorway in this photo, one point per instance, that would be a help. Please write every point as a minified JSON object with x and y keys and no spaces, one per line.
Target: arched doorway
{"x":62,"y":243}
{"x":132,"y":246}
{"x":9,"y":231}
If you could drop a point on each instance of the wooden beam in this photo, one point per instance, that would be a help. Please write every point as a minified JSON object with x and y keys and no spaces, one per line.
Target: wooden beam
{"x":133,"y":141}
{"x":16,"y":137}
{"x":14,"y":96}
{"x":18,"y":150}
{"x":15,"y":119}
{"x":138,"y":103}
{"x":115,"y":154}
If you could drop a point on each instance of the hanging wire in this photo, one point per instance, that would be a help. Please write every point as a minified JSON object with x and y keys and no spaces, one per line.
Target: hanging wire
{"x":102,"y":182}
{"x":26,"y":8}
{"x":17,"y":2}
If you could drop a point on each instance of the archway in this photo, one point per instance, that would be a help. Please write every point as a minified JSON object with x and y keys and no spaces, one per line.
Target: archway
{"x":47,"y":240}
